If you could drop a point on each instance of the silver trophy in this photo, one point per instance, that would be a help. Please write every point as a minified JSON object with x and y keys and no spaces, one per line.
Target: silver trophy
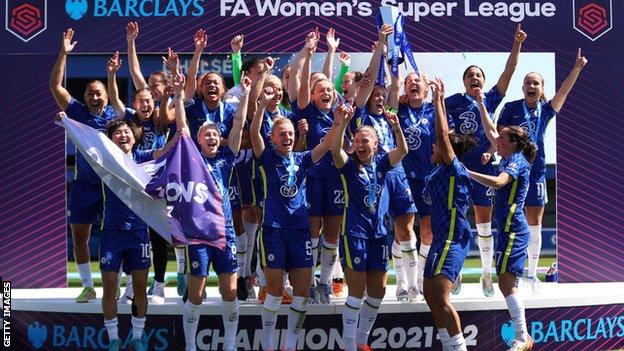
{"x":390,"y":15}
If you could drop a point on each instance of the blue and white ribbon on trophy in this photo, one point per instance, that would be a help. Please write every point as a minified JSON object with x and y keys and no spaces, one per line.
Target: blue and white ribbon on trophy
{"x":398,"y":46}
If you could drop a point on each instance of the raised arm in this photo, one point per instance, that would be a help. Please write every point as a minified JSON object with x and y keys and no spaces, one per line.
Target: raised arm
{"x":441,"y":124}
{"x":132,"y":31}
{"x":257,"y":143}
{"x":302,"y":139}
{"x":256,"y":86}
{"x":345,"y":61}
{"x":565,"y":88}
{"x":394,"y":91}
{"x":166,"y":112}
{"x":305,"y":89}
{"x":342,"y":119}
{"x":332,"y":46}
{"x":60,"y":94}
{"x":512,"y":61}
{"x":201,"y":40}
{"x":112,"y":66}
{"x":294,"y":83}
{"x":180,"y":114}
{"x":488,"y":125}
{"x":234,"y":140}
{"x":396,"y":154}
{"x":172,"y":62}
{"x":237,"y":61}
{"x":365,"y":92}
{"x":327,"y":142}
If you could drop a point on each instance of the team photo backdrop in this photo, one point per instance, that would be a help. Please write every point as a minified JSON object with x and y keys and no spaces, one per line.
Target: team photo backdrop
{"x":445,"y":36}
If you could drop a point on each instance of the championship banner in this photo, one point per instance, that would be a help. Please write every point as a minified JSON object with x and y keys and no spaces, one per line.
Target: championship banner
{"x":584,"y":169}
{"x":174,"y":194}
{"x":194,"y":203}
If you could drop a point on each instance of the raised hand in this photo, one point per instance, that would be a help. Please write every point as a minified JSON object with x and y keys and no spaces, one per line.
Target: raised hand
{"x":237,"y":43}
{"x":113,"y":63}
{"x":479,"y":97}
{"x":132,"y":31}
{"x":332,"y":41}
{"x":168,"y":91}
{"x":343,"y":114}
{"x":311,"y":43}
{"x":520,"y":35}
{"x":267,"y":94}
{"x":437,"y":89}
{"x":59,"y":115}
{"x":172,"y":61}
{"x":383,"y":33}
{"x":344,"y":58}
{"x":177,"y":82}
{"x":581,"y":61}
{"x":67,"y":45}
{"x":366,"y":81}
{"x":200,"y":39}
{"x":303,"y":127}
{"x":269,"y":62}
{"x":245,"y":83}
{"x":392,"y":118}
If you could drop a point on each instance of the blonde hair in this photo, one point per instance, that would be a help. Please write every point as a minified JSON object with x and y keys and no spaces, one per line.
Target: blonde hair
{"x":279,"y":121}
{"x":271,"y":78}
{"x":322,"y":79}
{"x":205,"y":126}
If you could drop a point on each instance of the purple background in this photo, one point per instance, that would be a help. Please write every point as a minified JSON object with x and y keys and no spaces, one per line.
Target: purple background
{"x":590,"y":190}
{"x":484,"y":327}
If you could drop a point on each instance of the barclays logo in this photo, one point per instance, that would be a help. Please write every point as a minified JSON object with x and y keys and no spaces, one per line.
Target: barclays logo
{"x":77,"y":9}
{"x":37,"y":335}
{"x":508,"y":332}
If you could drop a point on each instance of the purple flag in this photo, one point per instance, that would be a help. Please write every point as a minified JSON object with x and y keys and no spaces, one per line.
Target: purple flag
{"x":194,"y":203}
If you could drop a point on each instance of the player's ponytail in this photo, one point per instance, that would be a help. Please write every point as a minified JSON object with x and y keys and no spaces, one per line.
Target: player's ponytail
{"x":523,"y":143}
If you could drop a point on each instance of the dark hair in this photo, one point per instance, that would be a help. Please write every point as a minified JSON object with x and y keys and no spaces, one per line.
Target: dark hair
{"x":523,"y":143}
{"x":97,"y":81}
{"x":473,"y":66}
{"x":115,"y":124}
{"x":137,"y":122}
{"x":138,"y":91}
{"x":384,"y":90}
{"x":462,"y":143}
{"x":250,"y":63}
{"x":164,"y":76}
{"x":218,"y":75}
{"x":357,"y":76}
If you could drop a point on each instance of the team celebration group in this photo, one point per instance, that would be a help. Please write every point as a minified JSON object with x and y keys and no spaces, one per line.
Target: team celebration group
{"x":313,"y":169}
